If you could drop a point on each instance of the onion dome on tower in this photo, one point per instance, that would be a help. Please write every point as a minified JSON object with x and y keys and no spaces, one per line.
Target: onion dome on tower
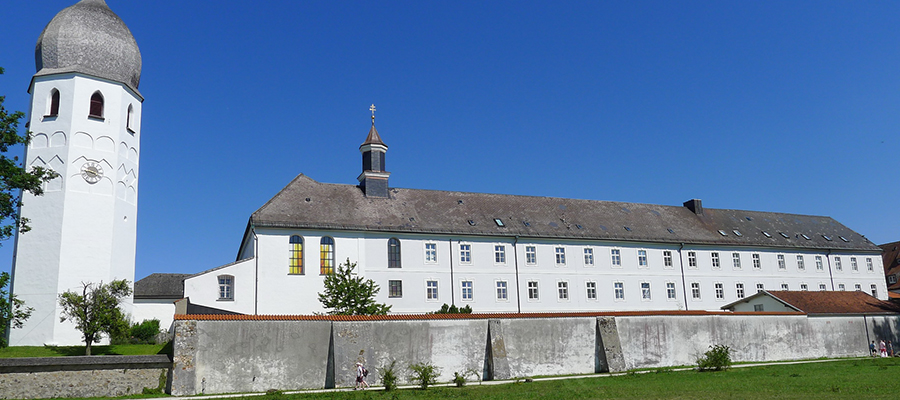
{"x":91,"y":39}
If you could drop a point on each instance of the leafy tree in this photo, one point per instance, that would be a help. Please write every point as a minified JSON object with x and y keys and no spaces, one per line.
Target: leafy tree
{"x":14,"y":178}
{"x":13,"y":312}
{"x":447,"y":309}
{"x":349,"y":294}
{"x":96,"y":310}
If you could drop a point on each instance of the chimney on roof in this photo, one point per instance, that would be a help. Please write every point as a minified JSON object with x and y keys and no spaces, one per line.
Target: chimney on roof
{"x":374,"y":179}
{"x":695,"y":205}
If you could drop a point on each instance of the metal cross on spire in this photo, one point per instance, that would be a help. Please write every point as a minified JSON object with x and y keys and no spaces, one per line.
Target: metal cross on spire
{"x":372,"y":109}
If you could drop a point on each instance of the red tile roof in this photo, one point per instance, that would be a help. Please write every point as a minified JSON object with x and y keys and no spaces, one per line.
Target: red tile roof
{"x":415,"y":317}
{"x":827,"y":302}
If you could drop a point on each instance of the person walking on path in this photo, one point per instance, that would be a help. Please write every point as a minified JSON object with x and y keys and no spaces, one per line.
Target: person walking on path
{"x":890,"y":349}
{"x":872,"y":349}
{"x":883,"y":349}
{"x":361,"y":373}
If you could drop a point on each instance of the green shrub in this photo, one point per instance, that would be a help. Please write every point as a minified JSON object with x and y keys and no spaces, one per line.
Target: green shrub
{"x":424,"y":374}
{"x":459,"y":379}
{"x":145,"y":332}
{"x":453,"y":309}
{"x":717,"y":358}
{"x":388,"y":376}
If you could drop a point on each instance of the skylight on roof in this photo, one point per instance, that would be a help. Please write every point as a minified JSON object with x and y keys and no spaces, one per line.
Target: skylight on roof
{"x":459,"y":201}
{"x":721,"y":232}
{"x":526,"y":223}
{"x":579,"y":226}
{"x":767,"y":234}
{"x":499,"y":222}
{"x":627,"y":228}
{"x":749,"y":219}
{"x":844,"y":239}
{"x":784,"y":235}
{"x":804,"y":236}
{"x":828,"y":238}
{"x":670,"y":230}
{"x":737,"y":233}
{"x":472,"y":222}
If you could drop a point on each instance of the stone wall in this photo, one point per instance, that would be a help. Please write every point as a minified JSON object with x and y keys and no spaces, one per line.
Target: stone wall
{"x":86,"y":376}
{"x":219,"y":354}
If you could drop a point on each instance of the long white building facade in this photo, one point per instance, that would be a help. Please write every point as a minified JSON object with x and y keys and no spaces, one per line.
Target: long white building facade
{"x":504,"y":253}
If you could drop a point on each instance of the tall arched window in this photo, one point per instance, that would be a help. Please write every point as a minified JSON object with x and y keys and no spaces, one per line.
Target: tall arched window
{"x":54,"y":103}
{"x":129,"y":121}
{"x":296,"y":255}
{"x":326,"y":255}
{"x":96,"y":105}
{"x":393,"y":253}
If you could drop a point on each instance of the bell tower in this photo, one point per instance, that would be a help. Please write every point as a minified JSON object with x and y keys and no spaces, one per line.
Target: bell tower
{"x":374,"y":179}
{"x":85,"y":119}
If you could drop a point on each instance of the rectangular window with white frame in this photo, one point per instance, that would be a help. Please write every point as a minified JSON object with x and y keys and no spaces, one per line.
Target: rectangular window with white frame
{"x":467,"y":292}
{"x":781,"y":264}
{"x":804,"y":287}
{"x":465,"y":253}
{"x":739,"y":290}
{"x":869,"y":266}
{"x":822,"y":287}
{"x":853,"y":265}
{"x":560,"y":256}
{"x":591,"y":288}
{"x":619,"y":291}
{"x":431,"y":290}
{"x":837,"y":264}
{"x":431,"y":253}
{"x":760,"y":287}
{"x":615,"y":257}
{"x":667,"y":259}
{"x":563,"y":289}
{"x":720,"y":291}
{"x":841,"y":287}
{"x":757,"y":264}
{"x":874,"y":290}
{"x":502,"y":291}
{"x":801,"y":265}
{"x":533,"y":292}
{"x":645,"y":291}
{"x":588,"y":257}
{"x":819,"y":266}
{"x":736,"y":260}
{"x":857,"y":287}
{"x":784,"y":286}
{"x":499,"y":254}
{"x":530,"y":255}
{"x":692,"y":260}
{"x":642,"y":259}
{"x":226,"y":287}
{"x":670,"y":290}
{"x":892,"y":279}
{"x":714,"y":257}
{"x":395,"y":289}
{"x":695,"y":290}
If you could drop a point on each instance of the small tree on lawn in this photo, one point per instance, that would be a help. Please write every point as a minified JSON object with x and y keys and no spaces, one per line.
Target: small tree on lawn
{"x":96,"y":310}
{"x":347,"y":293}
{"x":13,"y":312}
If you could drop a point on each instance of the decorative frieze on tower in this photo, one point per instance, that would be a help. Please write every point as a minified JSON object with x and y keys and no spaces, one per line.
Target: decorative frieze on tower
{"x":85,"y":119}
{"x":373,"y":179}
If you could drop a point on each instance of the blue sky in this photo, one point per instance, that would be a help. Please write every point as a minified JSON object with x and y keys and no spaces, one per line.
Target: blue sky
{"x":767,"y":106}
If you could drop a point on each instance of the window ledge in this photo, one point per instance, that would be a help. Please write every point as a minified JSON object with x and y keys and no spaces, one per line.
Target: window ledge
{"x":228,"y":299}
{"x":49,"y":117}
{"x":130,"y":130}
{"x":96,"y":118}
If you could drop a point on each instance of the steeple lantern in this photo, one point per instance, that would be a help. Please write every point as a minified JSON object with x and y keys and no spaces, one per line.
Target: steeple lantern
{"x":374,"y":179}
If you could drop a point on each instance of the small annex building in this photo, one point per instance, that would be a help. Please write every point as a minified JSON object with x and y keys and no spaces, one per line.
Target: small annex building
{"x":891,"y":259}
{"x":814,"y":303}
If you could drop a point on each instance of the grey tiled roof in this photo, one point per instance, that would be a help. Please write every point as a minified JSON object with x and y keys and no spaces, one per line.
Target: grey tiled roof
{"x":305,"y":203}
{"x":89,"y":38}
{"x":160,"y":286}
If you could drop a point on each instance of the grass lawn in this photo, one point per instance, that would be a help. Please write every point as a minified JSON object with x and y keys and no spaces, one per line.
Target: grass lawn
{"x":856,"y":378}
{"x":61,"y":351}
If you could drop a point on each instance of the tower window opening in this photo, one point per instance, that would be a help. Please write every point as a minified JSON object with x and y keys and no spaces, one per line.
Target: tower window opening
{"x":129,"y":121}
{"x":96,"y":110}
{"x":54,"y":103}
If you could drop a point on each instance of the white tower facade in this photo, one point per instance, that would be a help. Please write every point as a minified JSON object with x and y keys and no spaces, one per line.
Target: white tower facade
{"x":85,"y":120}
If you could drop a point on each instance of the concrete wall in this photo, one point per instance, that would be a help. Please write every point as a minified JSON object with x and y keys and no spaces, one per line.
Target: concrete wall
{"x":250,"y":354}
{"x":90,"y":376}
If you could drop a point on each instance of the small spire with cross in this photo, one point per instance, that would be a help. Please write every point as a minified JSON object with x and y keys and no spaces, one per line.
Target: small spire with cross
{"x":372,"y":109}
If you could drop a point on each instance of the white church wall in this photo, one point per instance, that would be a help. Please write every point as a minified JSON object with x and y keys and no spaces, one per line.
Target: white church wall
{"x":203,"y":288}
{"x":147,"y":309}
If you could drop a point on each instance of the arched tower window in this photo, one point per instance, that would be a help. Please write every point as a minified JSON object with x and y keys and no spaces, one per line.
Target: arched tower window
{"x":54,"y":103}
{"x":394,"y":253}
{"x":129,"y":121}
{"x":296,"y":255}
{"x":326,"y":255}
{"x":226,"y":287}
{"x":96,"y":105}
